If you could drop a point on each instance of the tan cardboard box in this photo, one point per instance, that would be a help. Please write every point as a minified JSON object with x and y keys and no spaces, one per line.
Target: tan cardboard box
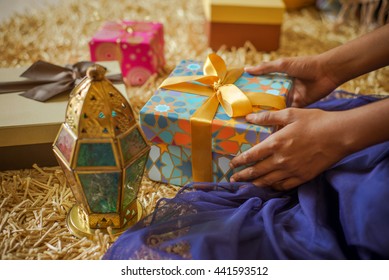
{"x":296,"y":4}
{"x":216,"y":32}
{"x":233,"y":22}
{"x":28,"y":127}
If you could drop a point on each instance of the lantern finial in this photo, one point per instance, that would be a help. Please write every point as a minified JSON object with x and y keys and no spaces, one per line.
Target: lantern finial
{"x":96,"y":72}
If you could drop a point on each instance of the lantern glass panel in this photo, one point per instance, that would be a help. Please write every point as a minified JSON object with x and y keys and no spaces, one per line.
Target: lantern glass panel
{"x":68,"y":174}
{"x":132,"y":144}
{"x":65,"y":143}
{"x":101,"y":191}
{"x":133,"y":177}
{"x":96,"y":154}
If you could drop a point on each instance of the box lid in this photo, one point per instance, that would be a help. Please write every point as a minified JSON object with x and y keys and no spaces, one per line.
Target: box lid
{"x":245,"y":11}
{"x":128,"y":31}
{"x":293,"y":4}
{"x":24,"y":121}
{"x":165,"y":118}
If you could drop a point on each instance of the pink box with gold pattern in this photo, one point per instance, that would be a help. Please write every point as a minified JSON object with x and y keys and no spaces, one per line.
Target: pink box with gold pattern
{"x":137,"y":45}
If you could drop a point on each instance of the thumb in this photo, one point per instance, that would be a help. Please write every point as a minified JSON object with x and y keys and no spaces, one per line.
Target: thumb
{"x":279,"y":65}
{"x":282,"y":117}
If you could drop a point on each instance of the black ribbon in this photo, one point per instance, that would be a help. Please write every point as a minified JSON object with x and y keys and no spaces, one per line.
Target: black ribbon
{"x":46,"y":80}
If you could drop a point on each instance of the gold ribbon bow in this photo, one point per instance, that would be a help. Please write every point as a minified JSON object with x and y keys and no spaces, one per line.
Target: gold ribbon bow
{"x":217,"y":84}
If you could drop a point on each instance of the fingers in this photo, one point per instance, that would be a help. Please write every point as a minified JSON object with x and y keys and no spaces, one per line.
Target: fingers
{"x":265,"y":180}
{"x":279,"y":65}
{"x":277,"y":180}
{"x":281,"y":117}
{"x":252,"y":172}
{"x":253,"y":155}
{"x":260,"y":176}
{"x":267,"y":147}
{"x":287,"y":184}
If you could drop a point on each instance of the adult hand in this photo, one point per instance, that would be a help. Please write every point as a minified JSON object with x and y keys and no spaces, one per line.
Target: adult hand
{"x":312,"y":140}
{"x":309,"y":142}
{"x":312,"y":81}
{"x":318,"y":75}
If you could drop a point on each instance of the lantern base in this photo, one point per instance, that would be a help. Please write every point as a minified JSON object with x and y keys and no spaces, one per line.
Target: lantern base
{"x":80,"y":229}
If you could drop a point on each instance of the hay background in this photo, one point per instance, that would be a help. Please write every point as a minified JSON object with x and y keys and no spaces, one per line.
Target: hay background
{"x":34,"y":202}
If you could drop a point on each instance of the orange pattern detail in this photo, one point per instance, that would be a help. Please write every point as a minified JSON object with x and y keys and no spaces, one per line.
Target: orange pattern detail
{"x":184,"y":125}
{"x":229,"y":146}
{"x":226,"y":133}
{"x":182,"y":139}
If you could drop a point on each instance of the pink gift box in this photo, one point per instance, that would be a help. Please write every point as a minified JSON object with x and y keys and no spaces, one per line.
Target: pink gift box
{"x":137,"y":45}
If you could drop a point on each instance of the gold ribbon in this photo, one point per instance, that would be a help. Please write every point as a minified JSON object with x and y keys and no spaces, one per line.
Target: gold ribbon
{"x":217,"y":84}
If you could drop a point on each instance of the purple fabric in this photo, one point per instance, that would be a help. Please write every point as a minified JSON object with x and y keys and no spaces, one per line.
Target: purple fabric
{"x":341,"y":214}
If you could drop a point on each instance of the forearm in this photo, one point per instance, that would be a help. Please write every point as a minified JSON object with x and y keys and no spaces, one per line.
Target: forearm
{"x":360,"y":56}
{"x":364,"y":126}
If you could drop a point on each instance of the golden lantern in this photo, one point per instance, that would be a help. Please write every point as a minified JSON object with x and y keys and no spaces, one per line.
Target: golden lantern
{"x":102,"y":152}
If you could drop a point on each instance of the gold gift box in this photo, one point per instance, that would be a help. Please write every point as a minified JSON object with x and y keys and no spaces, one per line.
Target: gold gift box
{"x":28,"y":127}
{"x":233,"y":22}
{"x":296,"y":4}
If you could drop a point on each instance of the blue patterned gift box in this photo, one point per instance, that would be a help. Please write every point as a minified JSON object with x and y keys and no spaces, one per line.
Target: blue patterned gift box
{"x":165,"y":120}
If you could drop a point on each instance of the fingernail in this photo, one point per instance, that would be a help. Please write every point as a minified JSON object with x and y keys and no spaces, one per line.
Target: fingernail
{"x":250,"y":117}
{"x":249,"y":68}
{"x":232,"y":180}
{"x":231,"y":166}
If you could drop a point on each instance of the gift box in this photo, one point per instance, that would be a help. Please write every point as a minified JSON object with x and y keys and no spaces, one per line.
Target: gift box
{"x":29,"y":127}
{"x":168,"y":120}
{"x":295,"y":4}
{"x":233,"y":22}
{"x":138,"y":46}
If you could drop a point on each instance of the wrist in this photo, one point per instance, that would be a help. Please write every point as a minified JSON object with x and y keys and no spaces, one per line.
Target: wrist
{"x":339,"y":138}
{"x":349,"y":137}
{"x":364,"y":126}
{"x":330,"y":69}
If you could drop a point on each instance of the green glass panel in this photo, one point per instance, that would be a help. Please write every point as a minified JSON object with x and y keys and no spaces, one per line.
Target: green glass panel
{"x":132,"y":145}
{"x":96,"y":154}
{"x":101,"y":191}
{"x":133,"y":179}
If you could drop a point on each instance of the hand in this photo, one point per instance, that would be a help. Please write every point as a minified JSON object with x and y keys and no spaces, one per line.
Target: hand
{"x":309,"y":142}
{"x":311,"y":82}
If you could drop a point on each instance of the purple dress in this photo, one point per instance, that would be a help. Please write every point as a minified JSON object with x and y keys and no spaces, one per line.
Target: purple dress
{"x":341,"y":214}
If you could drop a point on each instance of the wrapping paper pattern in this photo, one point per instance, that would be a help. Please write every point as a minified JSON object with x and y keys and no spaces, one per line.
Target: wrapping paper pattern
{"x":172,"y":164}
{"x":165,"y":120}
{"x":138,"y":46}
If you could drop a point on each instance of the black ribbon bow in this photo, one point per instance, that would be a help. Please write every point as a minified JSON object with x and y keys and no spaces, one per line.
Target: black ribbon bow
{"x":46,"y":80}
